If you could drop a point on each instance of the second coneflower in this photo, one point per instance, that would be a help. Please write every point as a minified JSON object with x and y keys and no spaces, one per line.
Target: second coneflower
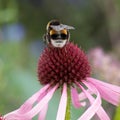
{"x":63,"y":65}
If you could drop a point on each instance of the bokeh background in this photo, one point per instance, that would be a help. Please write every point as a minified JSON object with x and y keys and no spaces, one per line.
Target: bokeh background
{"x":22,"y":25}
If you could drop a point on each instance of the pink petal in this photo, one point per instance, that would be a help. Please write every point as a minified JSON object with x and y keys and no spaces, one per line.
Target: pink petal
{"x":15,"y":115}
{"x":42,"y":103}
{"x":82,"y":95}
{"x":62,"y":105}
{"x":108,"y":85}
{"x":43,"y":113}
{"x":28,"y":104}
{"x":101,"y":112}
{"x":75,"y":98}
{"x":90,"y":112}
{"x":109,"y":92}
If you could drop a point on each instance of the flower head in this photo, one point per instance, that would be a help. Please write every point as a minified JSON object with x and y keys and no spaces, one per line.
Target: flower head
{"x":65,"y":68}
{"x":66,"y":65}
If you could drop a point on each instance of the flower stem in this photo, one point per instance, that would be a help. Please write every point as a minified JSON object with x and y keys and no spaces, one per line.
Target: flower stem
{"x":68,"y":110}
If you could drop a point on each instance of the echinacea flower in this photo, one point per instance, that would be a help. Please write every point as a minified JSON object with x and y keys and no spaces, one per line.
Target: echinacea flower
{"x":68,"y":69}
{"x":62,"y":68}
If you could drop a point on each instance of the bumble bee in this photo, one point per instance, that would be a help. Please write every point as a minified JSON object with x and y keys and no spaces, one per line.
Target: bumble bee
{"x":57,"y":34}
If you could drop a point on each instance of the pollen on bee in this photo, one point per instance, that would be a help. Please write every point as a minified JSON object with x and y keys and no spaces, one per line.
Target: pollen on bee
{"x":64,"y":31}
{"x":53,"y":32}
{"x":56,"y":32}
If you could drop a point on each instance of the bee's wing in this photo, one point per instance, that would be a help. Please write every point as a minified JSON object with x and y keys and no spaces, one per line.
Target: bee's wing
{"x":67,"y":27}
{"x":61,"y":27}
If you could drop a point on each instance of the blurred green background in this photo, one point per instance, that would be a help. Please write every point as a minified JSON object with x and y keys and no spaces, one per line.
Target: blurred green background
{"x":22,"y":25}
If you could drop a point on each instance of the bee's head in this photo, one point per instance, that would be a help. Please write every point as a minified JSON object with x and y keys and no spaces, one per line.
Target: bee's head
{"x":57,"y":34}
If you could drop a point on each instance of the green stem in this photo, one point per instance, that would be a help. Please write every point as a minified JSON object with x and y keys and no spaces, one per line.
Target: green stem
{"x":68,"y":110}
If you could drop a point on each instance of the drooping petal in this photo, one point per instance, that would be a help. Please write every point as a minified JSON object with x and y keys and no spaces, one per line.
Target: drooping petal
{"x":101,"y":112}
{"x":90,"y":112}
{"x":63,"y":104}
{"x":82,"y":95}
{"x":15,"y":115}
{"x":43,"y":113}
{"x":36,"y":109}
{"x":75,"y":98}
{"x":27,"y":105}
{"x":110,"y":93}
{"x":112,"y":87}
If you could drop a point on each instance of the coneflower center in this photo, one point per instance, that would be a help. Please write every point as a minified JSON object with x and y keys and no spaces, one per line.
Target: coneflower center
{"x":63,"y":65}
